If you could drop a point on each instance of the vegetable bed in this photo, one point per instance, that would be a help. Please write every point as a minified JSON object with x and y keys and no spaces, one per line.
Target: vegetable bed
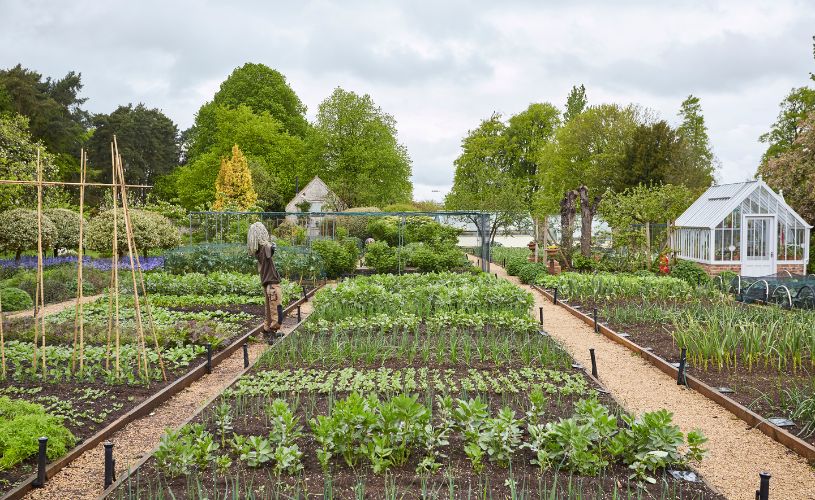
{"x":419,"y":385}
{"x":188,"y":311}
{"x":764,"y":354}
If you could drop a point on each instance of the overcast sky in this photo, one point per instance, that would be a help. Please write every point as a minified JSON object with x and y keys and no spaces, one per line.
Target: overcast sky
{"x":438,"y":67}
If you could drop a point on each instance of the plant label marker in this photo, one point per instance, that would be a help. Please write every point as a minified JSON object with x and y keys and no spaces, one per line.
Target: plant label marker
{"x":41,"y":458}
{"x":680,"y":376}
{"x":110,"y":464}
{"x":763,"y":491}
{"x":209,"y":358}
{"x":246,"y":354}
{"x":593,"y":363}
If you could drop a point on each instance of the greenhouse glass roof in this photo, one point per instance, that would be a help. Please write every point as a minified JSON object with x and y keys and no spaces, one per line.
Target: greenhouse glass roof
{"x":718,"y":201}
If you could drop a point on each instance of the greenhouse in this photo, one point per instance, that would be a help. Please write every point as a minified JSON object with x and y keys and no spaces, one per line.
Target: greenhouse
{"x":744,"y":227}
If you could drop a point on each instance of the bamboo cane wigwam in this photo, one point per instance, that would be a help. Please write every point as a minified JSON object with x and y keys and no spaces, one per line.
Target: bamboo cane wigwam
{"x":118,"y":188}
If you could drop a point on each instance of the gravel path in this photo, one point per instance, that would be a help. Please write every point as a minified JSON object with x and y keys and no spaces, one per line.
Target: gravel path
{"x":736,"y":453}
{"x":83,"y":478}
{"x":51,"y":308}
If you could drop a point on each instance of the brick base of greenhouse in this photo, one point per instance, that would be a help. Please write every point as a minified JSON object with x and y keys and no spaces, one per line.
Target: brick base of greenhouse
{"x":716,"y":269}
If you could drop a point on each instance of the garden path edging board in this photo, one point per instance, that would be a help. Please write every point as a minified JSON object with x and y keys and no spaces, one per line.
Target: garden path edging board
{"x":142,"y":409}
{"x":736,"y":452}
{"x":794,"y":443}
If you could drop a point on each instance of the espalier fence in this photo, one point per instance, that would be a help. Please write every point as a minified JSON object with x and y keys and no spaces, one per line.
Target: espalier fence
{"x":231,"y":227}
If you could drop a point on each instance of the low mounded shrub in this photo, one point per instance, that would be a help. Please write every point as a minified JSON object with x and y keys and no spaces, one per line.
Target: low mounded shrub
{"x":15,"y":299}
{"x":338,"y":258}
{"x":381,"y":257}
{"x":689,"y":272}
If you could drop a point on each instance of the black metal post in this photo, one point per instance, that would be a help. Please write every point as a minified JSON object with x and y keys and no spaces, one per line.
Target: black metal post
{"x":41,"y":458}
{"x":496,"y":275}
{"x":680,"y":376}
{"x":540,"y":313}
{"x":763,"y":492}
{"x":109,"y":464}
{"x":596,"y":324}
{"x":305,"y":295}
{"x":593,"y":363}
{"x":209,"y":358}
{"x":246,"y":355}
{"x":554,"y":297}
{"x":299,"y":315}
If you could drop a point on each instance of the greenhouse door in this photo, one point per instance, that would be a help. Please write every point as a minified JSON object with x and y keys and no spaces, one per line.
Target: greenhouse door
{"x":759,"y":246}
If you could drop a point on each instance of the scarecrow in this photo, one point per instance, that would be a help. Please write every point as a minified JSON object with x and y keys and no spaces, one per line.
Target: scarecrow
{"x":260,"y":245}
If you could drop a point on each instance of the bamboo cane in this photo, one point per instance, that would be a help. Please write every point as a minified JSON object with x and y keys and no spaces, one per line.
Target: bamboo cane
{"x":147,"y":307}
{"x":41,"y":298}
{"x":129,"y":239}
{"x":79,"y":317}
{"x":2,"y":338}
{"x":58,"y":183}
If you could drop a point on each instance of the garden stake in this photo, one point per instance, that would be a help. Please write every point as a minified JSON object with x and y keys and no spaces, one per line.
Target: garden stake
{"x":554,"y":297}
{"x":680,"y":376}
{"x":299,"y":315}
{"x":2,"y":339}
{"x":246,"y":355}
{"x":209,"y":358}
{"x":79,"y":316}
{"x":134,"y":253}
{"x":593,"y":363}
{"x":596,"y":325}
{"x":109,"y":464}
{"x":41,"y":456}
{"x":305,"y":295}
{"x":540,"y":313}
{"x":763,"y":493}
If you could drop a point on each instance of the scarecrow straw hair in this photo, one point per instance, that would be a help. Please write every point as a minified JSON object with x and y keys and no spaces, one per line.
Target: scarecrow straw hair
{"x":257,"y":236}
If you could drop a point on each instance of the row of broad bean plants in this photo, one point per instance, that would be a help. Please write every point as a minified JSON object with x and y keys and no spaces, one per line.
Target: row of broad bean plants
{"x":419,"y":386}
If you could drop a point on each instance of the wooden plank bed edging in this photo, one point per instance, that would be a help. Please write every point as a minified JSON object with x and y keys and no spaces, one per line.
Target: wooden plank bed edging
{"x":142,"y":408}
{"x":794,"y":443}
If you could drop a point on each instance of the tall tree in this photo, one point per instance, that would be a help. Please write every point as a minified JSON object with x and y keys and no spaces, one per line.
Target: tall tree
{"x":263,"y":141}
{"x":264,"y":89}
{"x":575,"y":102}
{"x":526,"y":134}
{"x":54,"y":110}
{"x":355,"y":150}
{"x":482,"y":179}
{"x":793,"y":171}
{"x":651,"y":157}
{"x":233,"y":186}
{"x":798,"y":104}
{"x":148,"y":141}
{"x":698,"y":166}
{"x":18,"y":161}
{"x":795,"y":108}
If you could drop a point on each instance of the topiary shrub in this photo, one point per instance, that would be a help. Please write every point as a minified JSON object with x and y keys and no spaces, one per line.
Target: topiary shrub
{"x":381,"y":257}
{"x":18,"y":231}
{"x":150,"y":231}
{"x":67,"y":224}
{"x":14,"y":299}
{"x":690,"y":272}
